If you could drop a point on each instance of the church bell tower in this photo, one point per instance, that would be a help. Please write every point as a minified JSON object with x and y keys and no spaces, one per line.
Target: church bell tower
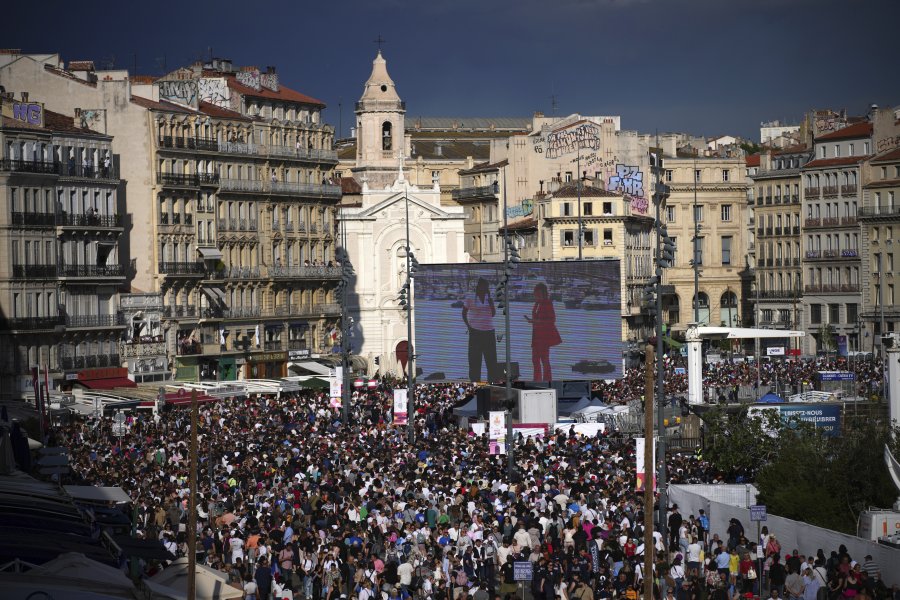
{"x":380,"y":134}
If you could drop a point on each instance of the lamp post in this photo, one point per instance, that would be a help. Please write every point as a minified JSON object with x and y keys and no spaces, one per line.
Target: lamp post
{"x":343,"y":288}
{"x":406,"y":303}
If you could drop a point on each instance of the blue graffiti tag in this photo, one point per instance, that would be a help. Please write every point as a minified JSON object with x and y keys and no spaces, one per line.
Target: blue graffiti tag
{"x":628,"y":180}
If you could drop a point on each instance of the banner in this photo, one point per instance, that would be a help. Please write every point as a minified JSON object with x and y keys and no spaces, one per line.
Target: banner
{"x":337,"y":387}
{"x":400,"y":406}
{"x":775,"y":351}
{"x":641,"y":466}
{"x":497,"y":431}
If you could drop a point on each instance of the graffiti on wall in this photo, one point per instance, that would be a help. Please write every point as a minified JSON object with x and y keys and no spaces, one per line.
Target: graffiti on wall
{"x":567,"y":140}
{"x":214,"y":91}
{"x":92,"y":118}
{"x":887,"y":143}
{"x":248,"y":78}
{"x":522,"y":210}
{"x":181,"y":91}
{"x":26,"y":112}
{"x":627,"y":180}
{"x":828,"y":121}
{"x":639,"y":205}
{"x":269,"y":81}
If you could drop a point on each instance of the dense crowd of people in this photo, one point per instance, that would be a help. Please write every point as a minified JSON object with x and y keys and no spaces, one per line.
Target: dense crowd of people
{"x":295,"y":503}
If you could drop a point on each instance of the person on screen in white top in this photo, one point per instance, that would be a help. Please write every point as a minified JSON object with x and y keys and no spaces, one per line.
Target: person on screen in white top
{"x":478,"y":314}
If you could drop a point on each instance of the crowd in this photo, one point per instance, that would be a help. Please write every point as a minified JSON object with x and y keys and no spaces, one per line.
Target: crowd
{"x":293,"y":503}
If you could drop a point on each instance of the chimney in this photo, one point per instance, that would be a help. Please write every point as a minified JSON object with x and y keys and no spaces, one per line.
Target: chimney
{"x":270,"y":70}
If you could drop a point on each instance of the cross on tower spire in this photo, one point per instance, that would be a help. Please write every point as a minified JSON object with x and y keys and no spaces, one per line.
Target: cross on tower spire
{"x":380,"y":40}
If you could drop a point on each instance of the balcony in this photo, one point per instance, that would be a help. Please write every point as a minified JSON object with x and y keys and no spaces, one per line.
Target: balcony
{"x":34,"y":271}
{"x":142,"y":350}
{"x":297,"y":345}
{"x":886,"y":213}
{"x":848,"y":221}
{"x":847,"y":190}
{"x":778,"y":294}
{"x":830,"y":190}
{"x":830,"y":254}
{"x":209,"y":178}
{"x":849,"y":253}
{"x":242,"y":312}
{"x":189,"y":348}
{"x":305,"y":272}
{"x":310,"y":154}
{"x":188,"y":143}
{"x":89,"y":361}
{"x":73,"y":171}
{"x":471,"y":193}
{"x":813,"y":254}
{"x":812,"y":192}
{"x":239,"y":148}
{"x":31,"y":323}
{"x":181,"y":268}
{"x":28,"y":166}
{"x":178,"y":312}
{"x":237,"y":225}
{"x":33,"y":219}
{"x":831,"y":222}
{"x":310,"y":190}
{"x":91,"y":271}
{"x":94,"y":321}
{"x":812,"y":223}
{"x":851,"y":288}
{"x":778,"y":231}
{"x":778,"y":262}
{"x":760,"y":230}
{"x":795,"y":230}
{"x":273,"y":345}
{"x":778,"y":199}
{"x":795,"y":198}
{"x":88,"y":220}
{"x":768,"y":199}
{"x":241,"y":273}
{"x":178,"y":179}
{"x":769,"y":230}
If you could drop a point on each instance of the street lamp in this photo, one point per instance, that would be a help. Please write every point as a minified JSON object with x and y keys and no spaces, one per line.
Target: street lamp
{"x":343,"y":288}
{"x":406,"y":303}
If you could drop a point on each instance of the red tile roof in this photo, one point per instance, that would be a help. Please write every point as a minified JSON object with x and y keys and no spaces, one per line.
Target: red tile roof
{"x":62,"y":123}
{"x":792,"y":150}
{"x":890,"y":155}
{"x":834,"y":162}
{"x":284,"y":93}
{"x":143,"y":79}
{"x":161,"y":105}
{"x":857,"y":130}
{"x":481,"y":167}
{"x":753,"y":160}
{"x":217,"y":111}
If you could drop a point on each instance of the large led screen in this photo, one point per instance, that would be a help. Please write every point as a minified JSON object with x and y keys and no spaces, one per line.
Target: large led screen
{"x":565,"y":321}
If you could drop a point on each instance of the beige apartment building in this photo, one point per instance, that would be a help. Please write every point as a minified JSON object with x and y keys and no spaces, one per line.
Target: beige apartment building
{"x":713,"y":192}
{"x":60,"y":227}
{"x":481,"y":192}
{"x":879,"y":218}
{"x":233,"y":196}
{"x":776,"y":227}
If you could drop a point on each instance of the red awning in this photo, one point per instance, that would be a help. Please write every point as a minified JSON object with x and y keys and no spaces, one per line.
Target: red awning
{"x":106,"y":384}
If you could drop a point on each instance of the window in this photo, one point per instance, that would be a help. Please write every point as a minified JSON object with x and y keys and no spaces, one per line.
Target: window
{"x":884,"y":172}
{"x":588,"y":209}
{"x":726,"y":174}
{"x":697,"y":173}
{"x":589,"y":237}
{"x":815,"y":314}
{"x":568,"y":176}
{"x":568,"y":237}
{"x":726,"y":249}
{"x":822,"y":151}
{"x":698,"y":250}
{"x":607,"y":208}
{"x":726,"y":212}
{"x":889,"y":299}
{"x":865,"y":147}
{"x":850,"y":150}
{"x":834,"y":313}
{"x":607,"y":237}
{"x":567,"y":209}
{"x":837,"y":150}
{"x":670,"y":214}
{"x":668,"y":174}
{"x":698,"y":213}
{"x":852,"y":313}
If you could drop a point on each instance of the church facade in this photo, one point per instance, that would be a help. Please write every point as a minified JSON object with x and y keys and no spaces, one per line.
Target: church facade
{"x":384,"y":213}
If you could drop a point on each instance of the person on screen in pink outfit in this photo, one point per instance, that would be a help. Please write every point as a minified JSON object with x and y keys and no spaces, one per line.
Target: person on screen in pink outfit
{"x":544,"y":334}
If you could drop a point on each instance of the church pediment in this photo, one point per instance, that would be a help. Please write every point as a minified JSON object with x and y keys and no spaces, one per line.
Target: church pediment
{"x":397,"y":201}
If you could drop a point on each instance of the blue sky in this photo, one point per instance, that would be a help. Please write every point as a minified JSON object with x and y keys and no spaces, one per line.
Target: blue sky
{"x":700,"y":66}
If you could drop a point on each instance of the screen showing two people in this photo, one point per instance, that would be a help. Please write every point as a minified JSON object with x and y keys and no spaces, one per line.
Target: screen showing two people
{"x":565,"y":321}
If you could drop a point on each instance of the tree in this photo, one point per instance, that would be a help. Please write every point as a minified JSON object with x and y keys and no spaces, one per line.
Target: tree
{"x":802,"y":473}
{"x":827,"y":340}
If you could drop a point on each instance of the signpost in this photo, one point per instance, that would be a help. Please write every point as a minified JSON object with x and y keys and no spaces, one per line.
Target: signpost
{"x":758,"y":514}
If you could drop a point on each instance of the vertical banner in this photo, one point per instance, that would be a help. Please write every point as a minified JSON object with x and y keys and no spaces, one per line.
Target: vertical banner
{"x":641,"y":463}
{"x":400,"y":406}
{"x":497,"y":431}
{"x":337,"y":387}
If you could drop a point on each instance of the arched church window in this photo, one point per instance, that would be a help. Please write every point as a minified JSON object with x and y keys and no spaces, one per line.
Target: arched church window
{"x":386,"y":140}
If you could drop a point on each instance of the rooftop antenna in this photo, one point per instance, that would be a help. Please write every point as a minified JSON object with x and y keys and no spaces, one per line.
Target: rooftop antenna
{"x":553,"y":104}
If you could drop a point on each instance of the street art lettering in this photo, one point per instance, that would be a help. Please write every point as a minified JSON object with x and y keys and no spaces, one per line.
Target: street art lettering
{"x":522,"y":210}
{"x":269,"y":81}
{"x":565,"y":141}
{"x":92,"y":118}
{"x":248,"y":78}
{"x":179,"y":91}
{"x":214,"y":91}
{"x":832,"y":123}
{"x":31,"y":113}
{"x":887,"y":143}
{"x":639,"y":205}
{"x":628,"y":180}
{"x":593,"y":160}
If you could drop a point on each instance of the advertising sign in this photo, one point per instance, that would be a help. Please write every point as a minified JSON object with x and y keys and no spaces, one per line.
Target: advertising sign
{"x":837,"y":376}
{"x":758,"y":512}
{"x":824,"y":416}
{"x":400,"y":406}
{"x":775,"y":351}
{"x":641,"y":463}
{"x":565,"y":321}
{"x":497,"y":431}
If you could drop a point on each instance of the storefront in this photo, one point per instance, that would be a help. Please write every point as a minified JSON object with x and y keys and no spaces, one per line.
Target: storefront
{"x":266,"y":365}
{"x":187,"y":368}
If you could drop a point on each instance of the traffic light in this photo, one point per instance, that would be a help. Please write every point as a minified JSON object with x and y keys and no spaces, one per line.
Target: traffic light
{"x":512,"y":257}
{"x":666,"y":250}
{"x":413,"y":264}
{"x":403,"y":300}
{"x":501,"y":295}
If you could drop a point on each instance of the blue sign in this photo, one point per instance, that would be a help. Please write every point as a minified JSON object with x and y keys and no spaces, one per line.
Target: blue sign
{"x":680,"y":371}
{"x":522,"y":570}
{"x":837,"y":376}
{"x":825,"y":416}
{"x":758,"y":512}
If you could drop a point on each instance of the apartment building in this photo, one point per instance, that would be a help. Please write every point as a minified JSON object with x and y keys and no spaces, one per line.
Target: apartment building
{"x":711,"y":192}
{"x":480,"y":192}
{"x":61,"y":226}
{"x":776,"y":227}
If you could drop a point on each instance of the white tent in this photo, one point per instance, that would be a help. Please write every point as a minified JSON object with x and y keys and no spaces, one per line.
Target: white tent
{"x":172,"y":583}
{"x":74,"y":565}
